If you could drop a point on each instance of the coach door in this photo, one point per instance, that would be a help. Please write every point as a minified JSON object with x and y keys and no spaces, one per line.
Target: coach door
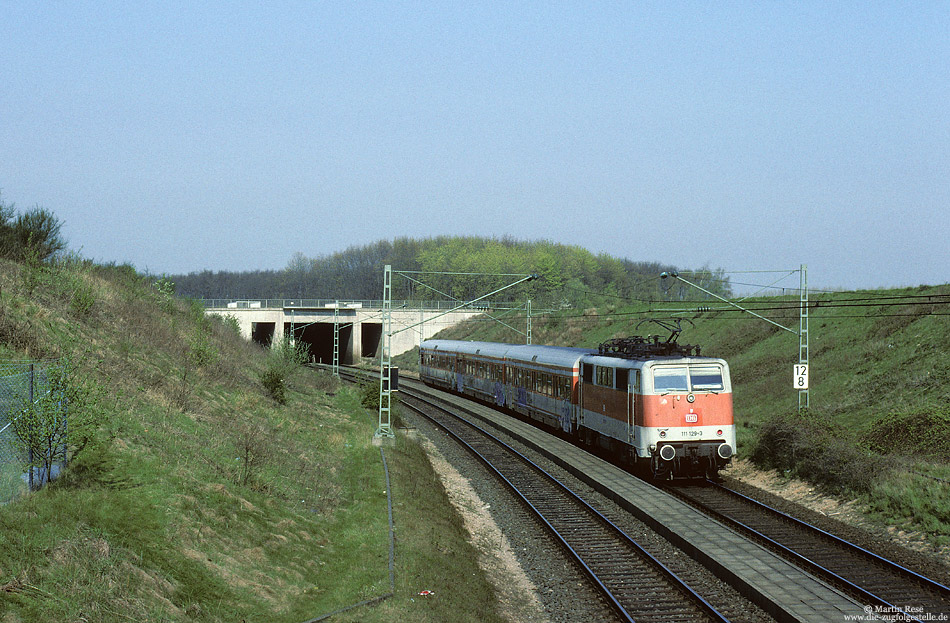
{"x":632,"y":403}
{"x":623,"y":385}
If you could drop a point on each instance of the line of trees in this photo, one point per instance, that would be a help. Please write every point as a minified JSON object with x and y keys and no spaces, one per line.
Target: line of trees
{"x":570,"y":275}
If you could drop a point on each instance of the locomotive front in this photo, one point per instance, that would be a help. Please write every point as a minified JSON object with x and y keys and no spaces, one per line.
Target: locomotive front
{"x":687,"y":424}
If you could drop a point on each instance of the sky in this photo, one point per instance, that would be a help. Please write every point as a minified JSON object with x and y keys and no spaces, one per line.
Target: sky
{"x":746,"y":136}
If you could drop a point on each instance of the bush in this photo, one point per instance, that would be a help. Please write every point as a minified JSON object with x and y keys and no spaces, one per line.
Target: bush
{"x":36,"y":232}
{"x":254,"y":446}
{"x":326,"y":382}
{"x":923,"y":433}
{"x":231,"y":324}
{"x":82,"y":300}
{"x":816,"y":451}
{"x":284,"y":359}
{"x":369,"y":395}
{"x":274,"y":383}
{"x":369,"y":398}
{"x":48,"y":429}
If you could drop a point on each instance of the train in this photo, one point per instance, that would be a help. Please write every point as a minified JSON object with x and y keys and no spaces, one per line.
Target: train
{"x":657,"y":406}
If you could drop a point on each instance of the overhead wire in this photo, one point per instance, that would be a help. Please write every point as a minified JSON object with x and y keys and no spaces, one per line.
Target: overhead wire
{"x":584,"y":316}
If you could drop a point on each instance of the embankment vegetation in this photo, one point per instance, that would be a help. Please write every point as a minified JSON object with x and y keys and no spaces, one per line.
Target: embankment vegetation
{"x":219,"y":481}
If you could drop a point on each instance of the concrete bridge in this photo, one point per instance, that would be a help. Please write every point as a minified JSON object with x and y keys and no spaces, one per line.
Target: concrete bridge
{"x":360,"y":323}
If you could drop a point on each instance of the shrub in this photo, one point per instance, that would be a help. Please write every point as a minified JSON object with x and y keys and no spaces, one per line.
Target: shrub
{"x":369,"y":398}
{"x":814,"y":450}
{"x":202,"y":350}
{"x":274,"y":383}
{"x":369,"y":395}
{"x":166,"y":294}
{"x":35,"y":271}
{"x":82,"y":300}
{"x":48,"y":429}
{"x":36,"y":232}
{"x":284,"y":359}
{"x":231,"y":324}
{"x":917,"y":433}
{"x":325,"y":381}
{"x":254,"y":446}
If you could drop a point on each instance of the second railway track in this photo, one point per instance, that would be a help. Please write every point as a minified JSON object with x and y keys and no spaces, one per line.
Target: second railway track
{"x":883,"y":585}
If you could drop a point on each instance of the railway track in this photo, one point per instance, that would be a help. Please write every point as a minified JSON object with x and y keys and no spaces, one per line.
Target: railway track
{"x":881,"y":585}
{"x":638,"y":586}
{"x":885,"y":589}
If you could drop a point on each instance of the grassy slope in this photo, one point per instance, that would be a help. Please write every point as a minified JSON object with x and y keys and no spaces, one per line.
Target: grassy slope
{"x":163,"y":523}
{"x":880,"y":380}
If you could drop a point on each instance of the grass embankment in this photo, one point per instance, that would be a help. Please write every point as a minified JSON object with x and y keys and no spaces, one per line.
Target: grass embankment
{"x":200,"y":496}
{"x":877,"y":428}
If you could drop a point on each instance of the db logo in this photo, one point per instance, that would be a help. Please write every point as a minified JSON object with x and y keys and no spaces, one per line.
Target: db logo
{"x":692,"y":417}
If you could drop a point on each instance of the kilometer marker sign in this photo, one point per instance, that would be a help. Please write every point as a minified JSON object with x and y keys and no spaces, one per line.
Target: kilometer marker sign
{"x":800,"y":376}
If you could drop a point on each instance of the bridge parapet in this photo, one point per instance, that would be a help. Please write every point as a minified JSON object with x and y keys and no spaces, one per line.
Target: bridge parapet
{"x":232,"y":303}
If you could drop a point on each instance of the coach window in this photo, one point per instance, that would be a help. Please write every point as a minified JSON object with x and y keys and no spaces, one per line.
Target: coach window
{"x":605,"y":376}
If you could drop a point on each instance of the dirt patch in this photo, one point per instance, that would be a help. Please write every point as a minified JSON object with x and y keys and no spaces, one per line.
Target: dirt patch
{"x":797,"y":491}
{"x":517,"y":595}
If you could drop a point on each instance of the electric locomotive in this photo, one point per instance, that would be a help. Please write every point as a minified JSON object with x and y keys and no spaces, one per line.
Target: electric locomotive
{"x":657,"y":405}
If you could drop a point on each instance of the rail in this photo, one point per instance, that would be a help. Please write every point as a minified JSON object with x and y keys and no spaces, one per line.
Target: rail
{"x":875,"y":580}
{"x":632,"y":581}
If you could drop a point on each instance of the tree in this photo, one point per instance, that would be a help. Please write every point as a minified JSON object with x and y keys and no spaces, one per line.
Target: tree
{"x":40,"y":424}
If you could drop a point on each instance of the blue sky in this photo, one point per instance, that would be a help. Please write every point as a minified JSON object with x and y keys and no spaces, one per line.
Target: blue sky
{"x":735,"y":135}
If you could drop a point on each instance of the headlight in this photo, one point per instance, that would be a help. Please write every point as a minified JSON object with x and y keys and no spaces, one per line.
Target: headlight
{"x":667,"y":453}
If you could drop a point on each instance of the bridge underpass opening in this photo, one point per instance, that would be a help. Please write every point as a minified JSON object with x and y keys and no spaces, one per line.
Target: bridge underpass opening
{"x":319,"y":338}
{"x":372,"y":338}
{"x":263,"y":332}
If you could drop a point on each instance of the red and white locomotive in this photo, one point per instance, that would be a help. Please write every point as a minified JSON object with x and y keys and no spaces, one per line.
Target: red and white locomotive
{"x":658,"y":405}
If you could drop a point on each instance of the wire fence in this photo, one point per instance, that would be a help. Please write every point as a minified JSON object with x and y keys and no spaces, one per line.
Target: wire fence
{"x":27,"y":390}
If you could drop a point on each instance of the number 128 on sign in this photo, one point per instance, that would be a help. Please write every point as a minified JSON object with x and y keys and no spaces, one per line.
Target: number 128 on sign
{"x":800,"y":376}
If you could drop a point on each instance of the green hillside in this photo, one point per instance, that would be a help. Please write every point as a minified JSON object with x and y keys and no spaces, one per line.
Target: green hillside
{"x":209,"y":479}
{"x":878,"y":427}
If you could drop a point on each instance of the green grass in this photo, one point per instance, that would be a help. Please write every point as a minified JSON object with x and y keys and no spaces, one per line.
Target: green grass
{"x":203,"y":499}
{"x":903,"y":499}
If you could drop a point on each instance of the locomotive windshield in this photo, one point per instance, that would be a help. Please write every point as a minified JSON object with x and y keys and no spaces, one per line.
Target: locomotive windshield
{"x":668,"y":379}
{"x":705,"y":378}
